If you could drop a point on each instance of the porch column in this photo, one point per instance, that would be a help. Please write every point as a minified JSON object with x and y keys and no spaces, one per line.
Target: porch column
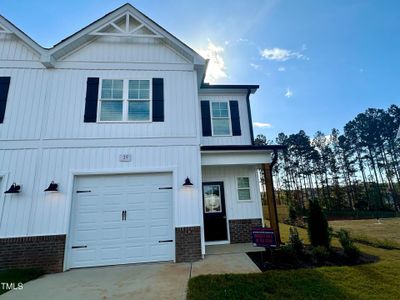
{"x":273,"y":212}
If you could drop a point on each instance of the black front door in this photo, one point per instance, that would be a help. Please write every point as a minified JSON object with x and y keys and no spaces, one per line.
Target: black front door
{"x":214,"y":212}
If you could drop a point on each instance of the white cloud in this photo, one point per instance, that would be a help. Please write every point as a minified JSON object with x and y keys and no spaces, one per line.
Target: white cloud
{"x":216,"y":67}
{"x":288,"y":93}
{"x":280,"y":54}
{"x":255,"y":66}
{"x":281,"y":69}
{"x":262,"y":125}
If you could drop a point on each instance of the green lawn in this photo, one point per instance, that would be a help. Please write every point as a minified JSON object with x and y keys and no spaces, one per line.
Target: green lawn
{"x":16,"y":276}
{"x":373,"y":281}
{"x":386,"y":231}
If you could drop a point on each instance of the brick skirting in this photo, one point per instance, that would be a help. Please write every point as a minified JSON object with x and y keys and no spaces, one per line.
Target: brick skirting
{"x":188,"y":244}
{"x":240,"y":230}
{"x":43,"y":252}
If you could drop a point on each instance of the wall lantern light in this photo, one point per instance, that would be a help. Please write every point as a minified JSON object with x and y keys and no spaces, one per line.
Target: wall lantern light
{"x":53,"y":187}
{"x":14,"y":189}
{"x":187,"y":183}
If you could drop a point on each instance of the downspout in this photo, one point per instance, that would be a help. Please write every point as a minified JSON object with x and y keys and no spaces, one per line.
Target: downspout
{"x":249,"y":116}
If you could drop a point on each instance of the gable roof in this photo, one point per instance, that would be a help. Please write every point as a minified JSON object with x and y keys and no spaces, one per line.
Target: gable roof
{"x":143,"y":27}
{"x":7,"y":27}
{"x":110,"y":20}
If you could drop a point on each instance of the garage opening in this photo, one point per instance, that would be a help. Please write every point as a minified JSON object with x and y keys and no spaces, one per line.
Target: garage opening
{"x":120,"y":219}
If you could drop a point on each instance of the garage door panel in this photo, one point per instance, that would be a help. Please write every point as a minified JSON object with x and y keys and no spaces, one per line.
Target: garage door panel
{"x":85,"y":235}
{"x":160,"y":214}
{"x":161,"y":231}
{"x":84,"y":257}
{"x":136,"y":232}
{"x":110,"y":252}
{"x":97,"y":219}
{"x":160,"y":250}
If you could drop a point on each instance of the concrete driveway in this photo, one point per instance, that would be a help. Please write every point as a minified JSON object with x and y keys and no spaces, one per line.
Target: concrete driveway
{"x":136,"y":281}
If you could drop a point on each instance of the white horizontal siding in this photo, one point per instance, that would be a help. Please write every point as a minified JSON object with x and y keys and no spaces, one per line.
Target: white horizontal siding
{"x":236,"y":209}
{"x":34,"y":212}
{"x":243,"y":139}
{"x":126,"y":49}
{"x":12,"y":48}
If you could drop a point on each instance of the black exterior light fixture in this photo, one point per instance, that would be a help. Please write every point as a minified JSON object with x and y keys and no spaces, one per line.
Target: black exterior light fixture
{"x":14,"y":189}
{"x":187,"y":183}
{"x":53,"y":187}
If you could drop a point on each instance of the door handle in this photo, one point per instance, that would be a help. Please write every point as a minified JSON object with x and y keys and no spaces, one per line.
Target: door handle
{"x":78,"y":247}
{"x":123,"y":215}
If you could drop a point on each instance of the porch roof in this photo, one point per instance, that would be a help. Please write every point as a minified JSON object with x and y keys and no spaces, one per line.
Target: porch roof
{"x":242,"y":147}
{"x":238,"y":154}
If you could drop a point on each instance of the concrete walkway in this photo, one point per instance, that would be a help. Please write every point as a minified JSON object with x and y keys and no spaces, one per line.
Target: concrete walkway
{"x":136,"y":281}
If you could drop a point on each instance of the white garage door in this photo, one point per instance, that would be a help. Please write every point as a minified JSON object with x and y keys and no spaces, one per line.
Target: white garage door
{"x":118,"y":219}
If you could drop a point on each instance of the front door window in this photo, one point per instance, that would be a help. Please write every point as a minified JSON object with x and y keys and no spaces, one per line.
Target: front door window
{"x":212,"y":199}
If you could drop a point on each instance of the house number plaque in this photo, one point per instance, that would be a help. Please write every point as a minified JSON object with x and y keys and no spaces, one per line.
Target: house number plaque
{"x":125,"y":157}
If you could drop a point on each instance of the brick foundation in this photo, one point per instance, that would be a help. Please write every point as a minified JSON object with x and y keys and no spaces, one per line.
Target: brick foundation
{"x":188,"y":244}
{"x":240,"y":230}
{"x":43,"y":252}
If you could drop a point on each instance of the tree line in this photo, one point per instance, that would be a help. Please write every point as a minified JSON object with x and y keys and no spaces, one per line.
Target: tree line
{"x":357,"y":169}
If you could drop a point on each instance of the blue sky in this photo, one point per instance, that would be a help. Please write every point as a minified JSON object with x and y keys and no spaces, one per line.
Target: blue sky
{"x":318,"y":63}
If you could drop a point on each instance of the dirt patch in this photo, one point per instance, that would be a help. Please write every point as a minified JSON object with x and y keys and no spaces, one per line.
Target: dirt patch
{"x":278,"y":260}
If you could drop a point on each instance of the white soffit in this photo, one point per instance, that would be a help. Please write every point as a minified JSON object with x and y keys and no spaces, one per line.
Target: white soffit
{"x":235,"y":158}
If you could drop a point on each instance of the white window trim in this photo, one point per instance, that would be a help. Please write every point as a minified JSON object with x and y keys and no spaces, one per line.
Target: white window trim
{"x":249,"y":188}
{"x":229,"y":118}
{"x":125,"y":100}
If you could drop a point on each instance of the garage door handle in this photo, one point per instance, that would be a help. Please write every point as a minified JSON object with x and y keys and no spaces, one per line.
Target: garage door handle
{"x":78,"y":247}
{"x":166,"y":241}
{"x":123,"y":215}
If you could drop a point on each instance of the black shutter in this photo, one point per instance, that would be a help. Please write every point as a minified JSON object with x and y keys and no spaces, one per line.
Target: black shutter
{"x":4,"y":85}
{"x":92,"y":92}
{"x":158,"y":100}
{"x":206,"y":118}
{"x":235,"y":118}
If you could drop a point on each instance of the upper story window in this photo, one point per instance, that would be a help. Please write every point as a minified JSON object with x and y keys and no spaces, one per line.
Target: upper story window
{"x":124,"y":100}
{"x":220,"y":118}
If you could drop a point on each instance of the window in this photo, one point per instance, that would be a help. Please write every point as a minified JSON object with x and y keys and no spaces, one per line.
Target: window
{"x":212,"y":199}
{"x":124,"y":100}
{"x":220,"y":118}
{"x":243,"y":186}
{"x":139,"y":100}
{"x":111,"y":100}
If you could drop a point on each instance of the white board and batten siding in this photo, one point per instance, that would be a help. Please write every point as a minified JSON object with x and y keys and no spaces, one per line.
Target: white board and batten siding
{"x":13,"y":49}
{"x":34,"y":212}
{"x":139,"y":50}
{"x":235,"y":208}
{"x":244,"y":138}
